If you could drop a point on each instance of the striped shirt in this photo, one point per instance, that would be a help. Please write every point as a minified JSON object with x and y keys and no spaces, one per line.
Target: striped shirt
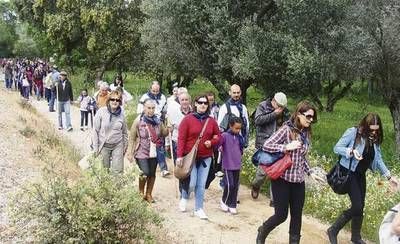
{"x":300,"y":167}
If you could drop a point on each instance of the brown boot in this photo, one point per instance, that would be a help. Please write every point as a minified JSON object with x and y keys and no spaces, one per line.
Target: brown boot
{"x":149,"y":189}
{"x":142,"y":183}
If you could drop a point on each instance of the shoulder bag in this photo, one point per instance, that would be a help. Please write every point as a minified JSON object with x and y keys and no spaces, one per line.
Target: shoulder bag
{"x":279,"y":166}
{"x":339,"y":180}
{"x":277,"y":169}
{"x":189,"y":159}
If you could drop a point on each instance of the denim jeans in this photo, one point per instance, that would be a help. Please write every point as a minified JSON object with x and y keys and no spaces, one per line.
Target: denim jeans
{"x":52,"y":100}
{"x":161,"y":158}
{"x":25,"y":92}
{"x":198,"y":178}
{"x":64,"y":107}
{"x":47,"y":94}
{"x":9,"y":83}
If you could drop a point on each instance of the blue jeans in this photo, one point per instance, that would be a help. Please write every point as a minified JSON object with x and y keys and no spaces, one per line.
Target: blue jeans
{"x":47,"y":94}
{"x":52,"y":100}
{"x":161,"y":158}
{"x":198,"y":178}
{"x":9,"y":83}
{"x":66,"y":108}
{"x":25,"y":92}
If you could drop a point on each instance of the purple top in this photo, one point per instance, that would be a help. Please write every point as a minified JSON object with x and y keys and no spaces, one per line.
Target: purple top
{"x":231,"y":153}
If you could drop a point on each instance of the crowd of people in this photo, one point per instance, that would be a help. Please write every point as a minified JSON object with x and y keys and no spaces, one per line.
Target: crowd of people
{"x":176,"y":123}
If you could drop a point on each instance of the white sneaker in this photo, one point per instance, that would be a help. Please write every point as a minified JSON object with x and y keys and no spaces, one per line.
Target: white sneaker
{"x":223,"y":206}
{"x":200,"y":213}
{"x":164,"y":173}
{"x":182,"y":205}
{"x":219,"y":174}
{"x":232,"y":211}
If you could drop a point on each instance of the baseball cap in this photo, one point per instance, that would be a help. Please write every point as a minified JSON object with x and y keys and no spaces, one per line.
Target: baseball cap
{"x":280,"y":99}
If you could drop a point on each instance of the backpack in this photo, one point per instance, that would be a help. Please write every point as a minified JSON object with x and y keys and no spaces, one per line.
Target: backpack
{"x":225,"y":121}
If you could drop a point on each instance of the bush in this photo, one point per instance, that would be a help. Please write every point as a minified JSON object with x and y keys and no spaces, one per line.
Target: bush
{"x":98,"y":208}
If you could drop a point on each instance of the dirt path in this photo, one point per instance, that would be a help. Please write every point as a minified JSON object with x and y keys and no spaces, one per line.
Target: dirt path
{"x":181,"y":227}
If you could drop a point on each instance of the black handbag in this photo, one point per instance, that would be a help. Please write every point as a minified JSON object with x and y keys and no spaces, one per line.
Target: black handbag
{"x":338,"y":179}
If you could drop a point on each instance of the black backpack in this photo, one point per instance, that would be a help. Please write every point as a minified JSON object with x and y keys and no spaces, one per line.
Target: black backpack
{"x":225,"y":121}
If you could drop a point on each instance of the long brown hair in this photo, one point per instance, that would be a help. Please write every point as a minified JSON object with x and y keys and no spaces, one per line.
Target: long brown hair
{"x":301,"y":108}
{"x":364,"y":130}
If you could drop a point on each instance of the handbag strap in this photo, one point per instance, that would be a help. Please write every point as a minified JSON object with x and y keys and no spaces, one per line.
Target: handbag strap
{"x":202,"y":132}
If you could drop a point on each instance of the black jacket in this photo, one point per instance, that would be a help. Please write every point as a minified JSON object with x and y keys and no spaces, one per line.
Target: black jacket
{"x":64,"y":94}
{"x":265,"y":121}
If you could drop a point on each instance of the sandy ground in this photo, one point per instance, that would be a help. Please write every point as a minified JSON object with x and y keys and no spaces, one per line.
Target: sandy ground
{"x":179,"y":227}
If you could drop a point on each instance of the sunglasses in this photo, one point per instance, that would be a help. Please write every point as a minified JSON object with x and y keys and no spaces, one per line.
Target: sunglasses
{"x":202,"y":102}
{"x":115,"y":100}
{"x":309,"y":117}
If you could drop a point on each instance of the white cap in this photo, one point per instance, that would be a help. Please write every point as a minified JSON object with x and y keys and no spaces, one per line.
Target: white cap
{"x":280,"y":99}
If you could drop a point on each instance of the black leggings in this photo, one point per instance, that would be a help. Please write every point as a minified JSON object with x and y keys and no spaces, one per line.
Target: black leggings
{"x":357,"y":195}
{"x":287,"y":195}
{"x":148,"y":166}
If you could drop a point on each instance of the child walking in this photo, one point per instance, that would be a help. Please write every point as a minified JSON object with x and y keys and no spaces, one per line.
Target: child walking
{"x":25,"y":87}
{"x":84,"y":101}
{"x":232,"y":144}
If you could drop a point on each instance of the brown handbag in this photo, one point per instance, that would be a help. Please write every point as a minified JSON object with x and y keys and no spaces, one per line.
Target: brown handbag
{"x":189,"y":159}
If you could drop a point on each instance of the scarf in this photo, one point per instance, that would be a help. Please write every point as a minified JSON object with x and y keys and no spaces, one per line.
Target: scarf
{"x":154,"y":97}
{"x":151,"y":120}
{"x":116,"y":113}
{"x":200,"y":117}
{"x":240,"y":138}
{"x":189,"y":111}
{"x":239,"y":106}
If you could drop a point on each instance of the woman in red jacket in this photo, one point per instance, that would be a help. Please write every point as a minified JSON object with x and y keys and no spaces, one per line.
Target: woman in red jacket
{"x":188,"y":132}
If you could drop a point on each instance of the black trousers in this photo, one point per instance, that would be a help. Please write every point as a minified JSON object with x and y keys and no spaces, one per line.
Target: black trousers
{"x":357,"y":195}
{"x":287,"y":196}
{"x":231,"y":187}
{"x":84,"y":118}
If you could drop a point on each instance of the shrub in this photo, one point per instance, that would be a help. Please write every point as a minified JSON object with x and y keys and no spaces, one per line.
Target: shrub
{"x":98,"y":208}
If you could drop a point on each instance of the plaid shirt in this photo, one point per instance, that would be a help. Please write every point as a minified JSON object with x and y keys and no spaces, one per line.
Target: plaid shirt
{"x":300,"y":167}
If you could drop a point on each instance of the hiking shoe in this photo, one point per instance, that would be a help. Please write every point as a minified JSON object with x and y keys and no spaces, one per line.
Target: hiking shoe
{"x":164,"y":173}
{"x":69,"y":129}
{"x":182,"y":205}
{"x":232,"y":211}
{"x":200,"y":213}
{"x":255,"y":191}
{"x":223,"y":206}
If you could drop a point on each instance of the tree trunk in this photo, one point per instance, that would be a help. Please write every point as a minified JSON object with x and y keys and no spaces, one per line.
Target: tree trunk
{"x":220,"y":86}
{"x":333,"y":99}
{"x":187,"y":80}
{"x":100,"y":72}
{"x":394,"y":107}
{"x":244,"y":85}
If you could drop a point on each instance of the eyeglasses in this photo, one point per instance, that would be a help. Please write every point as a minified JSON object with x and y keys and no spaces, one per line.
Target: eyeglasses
{"x":115,"y":100}
{"x":309,"y":117}
{"x":201,"y":102}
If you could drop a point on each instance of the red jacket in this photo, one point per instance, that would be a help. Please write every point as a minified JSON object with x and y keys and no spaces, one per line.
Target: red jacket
{"x":188,"y":132}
